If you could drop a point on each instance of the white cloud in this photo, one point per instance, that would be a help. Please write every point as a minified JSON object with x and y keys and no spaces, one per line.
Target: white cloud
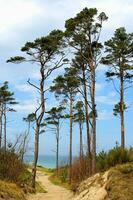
{"x":105,"y":115}
{"x":16,"y":13}
{"x":26,"y":107}
{"x":99,"y":86}
{"x":109,"y":99}
{"x":24,"y":88}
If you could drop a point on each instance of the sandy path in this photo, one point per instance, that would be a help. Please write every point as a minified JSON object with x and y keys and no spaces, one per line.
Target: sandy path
{"x":54,"y":192}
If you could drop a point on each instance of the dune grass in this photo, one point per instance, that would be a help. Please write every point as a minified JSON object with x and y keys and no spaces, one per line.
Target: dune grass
{"x":10,"y":191}
{"x":120,"y":184}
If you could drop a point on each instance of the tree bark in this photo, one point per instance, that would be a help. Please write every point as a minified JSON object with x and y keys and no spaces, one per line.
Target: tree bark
{"x":39,"y":119}
{"x":92,"y":93}
{"x":81,"y":140}
{"x":5,"y":123}
{"x":1,"y":113}
{"x":71,"y":123}
{"x":87,"y":121}
{"x":122,"y":108}
{"x":57,"y":151}
{"x":36,"y":150}
{"x":86,"y":111}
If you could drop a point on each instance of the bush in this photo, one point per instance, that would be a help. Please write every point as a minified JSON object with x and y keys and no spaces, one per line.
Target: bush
{"x":102,"y":161}
{"x":115,"y":156}
{"x":11,"y":168}
{"x":80,"y":171}
{"x":63,"y":174}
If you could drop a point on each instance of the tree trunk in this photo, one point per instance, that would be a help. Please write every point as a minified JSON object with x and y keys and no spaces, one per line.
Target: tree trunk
{"x":92,"y":93}
{"x":71,"y":123}
{"x":87,"y":121}
{"x":39,"y":119}
{"x":86,"y":112}
{"x":1,"y":113}
{"x":122,"y":109}
{"x":36,"y":150}
{"x":81,"y":140}
{"x":5,"y":121}
{"x":57,"y":151}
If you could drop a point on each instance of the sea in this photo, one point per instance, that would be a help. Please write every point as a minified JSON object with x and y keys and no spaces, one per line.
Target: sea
{"x":48,"y":161}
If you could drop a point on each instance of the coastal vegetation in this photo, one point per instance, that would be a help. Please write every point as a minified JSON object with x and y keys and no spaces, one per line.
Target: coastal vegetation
{"x":78,"y":52}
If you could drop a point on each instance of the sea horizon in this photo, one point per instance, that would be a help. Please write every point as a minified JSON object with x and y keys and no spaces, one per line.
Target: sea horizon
{"x":48,"y":161}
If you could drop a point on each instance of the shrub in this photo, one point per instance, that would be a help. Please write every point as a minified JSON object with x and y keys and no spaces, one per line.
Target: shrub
{"x":115,"y":156}
{"x":11,"y":168}
{"x":63,"y":174}
{"x":80,"y":171}
{"x":102,"y":161}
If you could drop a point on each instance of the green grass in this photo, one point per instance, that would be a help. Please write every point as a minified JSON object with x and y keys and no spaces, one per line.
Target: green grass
{"x":45,"y":170}
{"x":57,"y":181}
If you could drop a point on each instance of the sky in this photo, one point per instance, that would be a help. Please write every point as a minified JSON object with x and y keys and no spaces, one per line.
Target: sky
{"x":26,"y":20}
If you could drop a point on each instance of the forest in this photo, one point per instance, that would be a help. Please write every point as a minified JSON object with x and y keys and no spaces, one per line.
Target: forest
{"x":78,"y":52}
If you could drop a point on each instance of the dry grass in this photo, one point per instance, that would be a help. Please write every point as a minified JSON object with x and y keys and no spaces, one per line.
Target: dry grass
{"x":120,"y":183}
{"x":10,"y":191}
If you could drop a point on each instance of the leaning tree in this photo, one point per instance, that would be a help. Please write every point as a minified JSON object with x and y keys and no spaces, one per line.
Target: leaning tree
{"x":119,"y":59}
{"x":46,"y":52}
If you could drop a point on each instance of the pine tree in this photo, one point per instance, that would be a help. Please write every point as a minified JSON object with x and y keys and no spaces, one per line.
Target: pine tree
{"x":119,"y":53}
{"x":66,"y":86}
{"x":53,"y":120}
{"x":79,"y":117}
{"x":83,"y":34}
{"x":46,"y":52}
{"x":6,"y":101}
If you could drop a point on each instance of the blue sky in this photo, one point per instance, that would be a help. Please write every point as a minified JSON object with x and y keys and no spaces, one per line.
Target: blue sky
{"x":26,"y":20}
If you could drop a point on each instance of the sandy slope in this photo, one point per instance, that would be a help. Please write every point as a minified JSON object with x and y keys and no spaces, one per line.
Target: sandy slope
{"x":54,"y":192}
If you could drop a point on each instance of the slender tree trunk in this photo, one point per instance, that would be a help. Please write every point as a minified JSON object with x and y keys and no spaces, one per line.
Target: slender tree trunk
{"x":81,"y":140}
{"x":57,"y":151}
{"x":92,"y":92}
{"x":122,"y":109}
{"x":36,"y":150}
{"x":39,"y":119}
{"x":5,"y":122}
{"x":71,"y":123}
{"x":1,"y":113}
{"x":86,"y":112}
{"x":87,"y":122}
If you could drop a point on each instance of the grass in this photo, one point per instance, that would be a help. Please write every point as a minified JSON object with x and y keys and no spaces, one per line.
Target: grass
{"x":120,"y":184}
{"x":39,"y":188}
{"x":57,"y":181}
{"x":10,"y":191}
{"x":45,"y":170}
{"x":53,"y":177}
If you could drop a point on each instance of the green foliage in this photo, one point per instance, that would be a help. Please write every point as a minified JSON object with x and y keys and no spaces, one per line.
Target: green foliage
{"x":102,"y":161}
{"x":30,"y":118}
{"x":6,"y":97}
{"x":119,"y":52}
{"x":79,"y":115}
{"x":46,"y":46}
{"x":65,"y":85}
{"x":115,"y":156}
{"x":116,"y":109}
{"x":83,"y":31}
{"x":54,"y":115}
